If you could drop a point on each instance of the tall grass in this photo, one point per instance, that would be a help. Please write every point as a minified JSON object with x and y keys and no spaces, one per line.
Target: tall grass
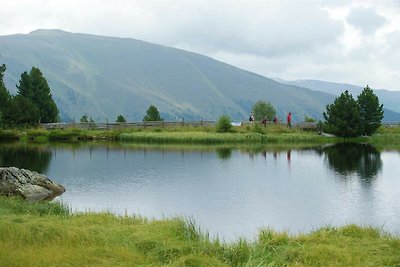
{"x":248,"y":134}
{"x":31,"y":237}
{"x":6,"y":135}
{"x":17,"y":206}
{"x":221,"y":138}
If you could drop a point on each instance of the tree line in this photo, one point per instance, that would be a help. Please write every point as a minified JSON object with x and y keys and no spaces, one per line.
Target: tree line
{"x":33,"y":102}
{"x":345,"y":117}
{"x":152,"y":114}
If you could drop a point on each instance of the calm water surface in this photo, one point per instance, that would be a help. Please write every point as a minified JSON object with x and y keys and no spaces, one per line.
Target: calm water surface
{"x":231,"y":193}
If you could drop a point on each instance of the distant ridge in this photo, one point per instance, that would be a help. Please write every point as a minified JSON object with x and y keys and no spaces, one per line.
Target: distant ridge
{"x":103,"y":77}
{"x":390,"y":99}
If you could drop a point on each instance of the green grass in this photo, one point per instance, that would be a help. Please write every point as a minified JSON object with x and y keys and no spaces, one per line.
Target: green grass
{"x":47,"y":234}
{"x":204,"y":135}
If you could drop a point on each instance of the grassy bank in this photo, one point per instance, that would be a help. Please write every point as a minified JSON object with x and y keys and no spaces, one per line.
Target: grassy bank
{"x":245,"y":135}
{"x":171,"y":135}
{"x":47,"y":234}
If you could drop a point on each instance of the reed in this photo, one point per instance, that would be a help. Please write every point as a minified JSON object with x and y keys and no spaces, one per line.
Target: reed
{"x":7,"y":135}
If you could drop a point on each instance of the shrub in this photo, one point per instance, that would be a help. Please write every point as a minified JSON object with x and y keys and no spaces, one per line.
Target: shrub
{"x":120,"y":118}
{"x":308,"y":119}
{"x":224,"y":124}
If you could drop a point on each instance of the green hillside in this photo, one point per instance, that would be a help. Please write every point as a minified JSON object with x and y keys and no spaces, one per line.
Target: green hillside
{"x":104,"y":77}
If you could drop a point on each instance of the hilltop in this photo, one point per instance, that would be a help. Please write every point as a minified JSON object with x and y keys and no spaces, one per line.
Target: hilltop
{"x":103,"y":77}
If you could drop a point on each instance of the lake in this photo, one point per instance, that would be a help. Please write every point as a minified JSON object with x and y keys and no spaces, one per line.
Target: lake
{"x":231,"y":193}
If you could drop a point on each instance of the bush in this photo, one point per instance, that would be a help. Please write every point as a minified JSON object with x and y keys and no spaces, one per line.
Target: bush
{"x":120,"y":118}
{"x":308,"y":119}
{"x":224,"y":124}
{"x":258,"y":129}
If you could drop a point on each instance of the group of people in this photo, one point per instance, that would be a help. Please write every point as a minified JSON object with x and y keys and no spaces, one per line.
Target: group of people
{"x":275,"y":120}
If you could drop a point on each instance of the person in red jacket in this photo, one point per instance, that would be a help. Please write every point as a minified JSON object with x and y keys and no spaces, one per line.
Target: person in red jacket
{"x":289,"y":120}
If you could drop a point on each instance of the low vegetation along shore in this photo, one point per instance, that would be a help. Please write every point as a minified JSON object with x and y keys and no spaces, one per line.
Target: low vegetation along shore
{"x":250,"y":134}
{"x":47,"y":234}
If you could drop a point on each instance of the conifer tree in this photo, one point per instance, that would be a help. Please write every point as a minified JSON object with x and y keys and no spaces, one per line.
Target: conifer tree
{"x":121,"y":118}
{"x":34,"y":88}
{"x":4,"y":94}
{"x":370,"y":110}
{"x":152,"y":114}
{"x":343,"y":116}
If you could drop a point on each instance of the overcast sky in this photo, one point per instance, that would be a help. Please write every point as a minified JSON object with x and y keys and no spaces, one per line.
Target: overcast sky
{"x":351,"y":41}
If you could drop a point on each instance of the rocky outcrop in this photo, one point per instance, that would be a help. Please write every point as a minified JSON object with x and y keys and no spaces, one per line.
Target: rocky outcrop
{"x":28,"y":184}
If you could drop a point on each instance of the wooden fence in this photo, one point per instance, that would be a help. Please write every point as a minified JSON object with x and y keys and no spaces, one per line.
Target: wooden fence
{"x":153,"y":124}
{"x":123,"y":125}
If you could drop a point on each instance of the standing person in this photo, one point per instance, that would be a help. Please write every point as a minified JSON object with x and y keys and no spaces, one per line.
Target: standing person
{"x":289,"y":120}
{"x":251,"y":119}
{"x":275,"y":120}
{"x":264,"y":121}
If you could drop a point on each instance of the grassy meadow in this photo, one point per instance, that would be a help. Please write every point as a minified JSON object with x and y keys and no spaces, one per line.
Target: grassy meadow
{"x":48,"y":234}
{"x":198,"y":135}
{"x":249,"y":134}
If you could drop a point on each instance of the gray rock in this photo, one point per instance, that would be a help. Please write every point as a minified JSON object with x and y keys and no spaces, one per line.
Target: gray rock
{"x":326,"y":134}
{"x":28,"y":184}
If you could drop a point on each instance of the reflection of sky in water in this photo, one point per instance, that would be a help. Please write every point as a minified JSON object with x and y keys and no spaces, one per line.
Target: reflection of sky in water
{"x":232,"y":196}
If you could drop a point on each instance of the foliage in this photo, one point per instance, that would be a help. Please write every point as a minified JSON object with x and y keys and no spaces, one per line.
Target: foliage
{"x":4,"y":94}
{"x":347,"y":117}
{"x":120,"y":118}
{"x":308,"y":119}
{"x":263,"y":109}
{"x":84,"y":118}
{"x":34,"y":88}
{"x":152,"y":114}
{"x":21,"y":111}
{"x":343,"y":116}
{"x":224,"y":124}
{"x":33,"y":102}
{"x":370,"y":111}
{"x":258,"y":129}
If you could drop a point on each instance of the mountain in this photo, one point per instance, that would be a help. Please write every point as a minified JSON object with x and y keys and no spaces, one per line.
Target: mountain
{"x":389,"y":99}
{"x":103,"y":77}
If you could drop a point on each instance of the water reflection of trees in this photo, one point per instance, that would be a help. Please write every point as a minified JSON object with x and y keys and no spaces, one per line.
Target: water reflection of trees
{"x":362,"y":159}
{"x":224,"y":153}
{"x":35,"y":158}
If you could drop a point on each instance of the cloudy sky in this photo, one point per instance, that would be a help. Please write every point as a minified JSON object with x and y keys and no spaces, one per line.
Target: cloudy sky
{"x":351,"y":41}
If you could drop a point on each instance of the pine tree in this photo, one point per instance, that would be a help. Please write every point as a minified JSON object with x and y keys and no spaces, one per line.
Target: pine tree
{"x":121,"y":118}
{"x":21,"y":111}
{"x":343,"y":116}
{"x":370,"y":110}
{"x":152,"y":114}
{"x":34,"y":88}
{"x":4,"y":94}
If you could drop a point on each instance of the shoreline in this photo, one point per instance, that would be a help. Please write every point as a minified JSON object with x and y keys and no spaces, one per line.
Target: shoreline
{"x":273,"y":134}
